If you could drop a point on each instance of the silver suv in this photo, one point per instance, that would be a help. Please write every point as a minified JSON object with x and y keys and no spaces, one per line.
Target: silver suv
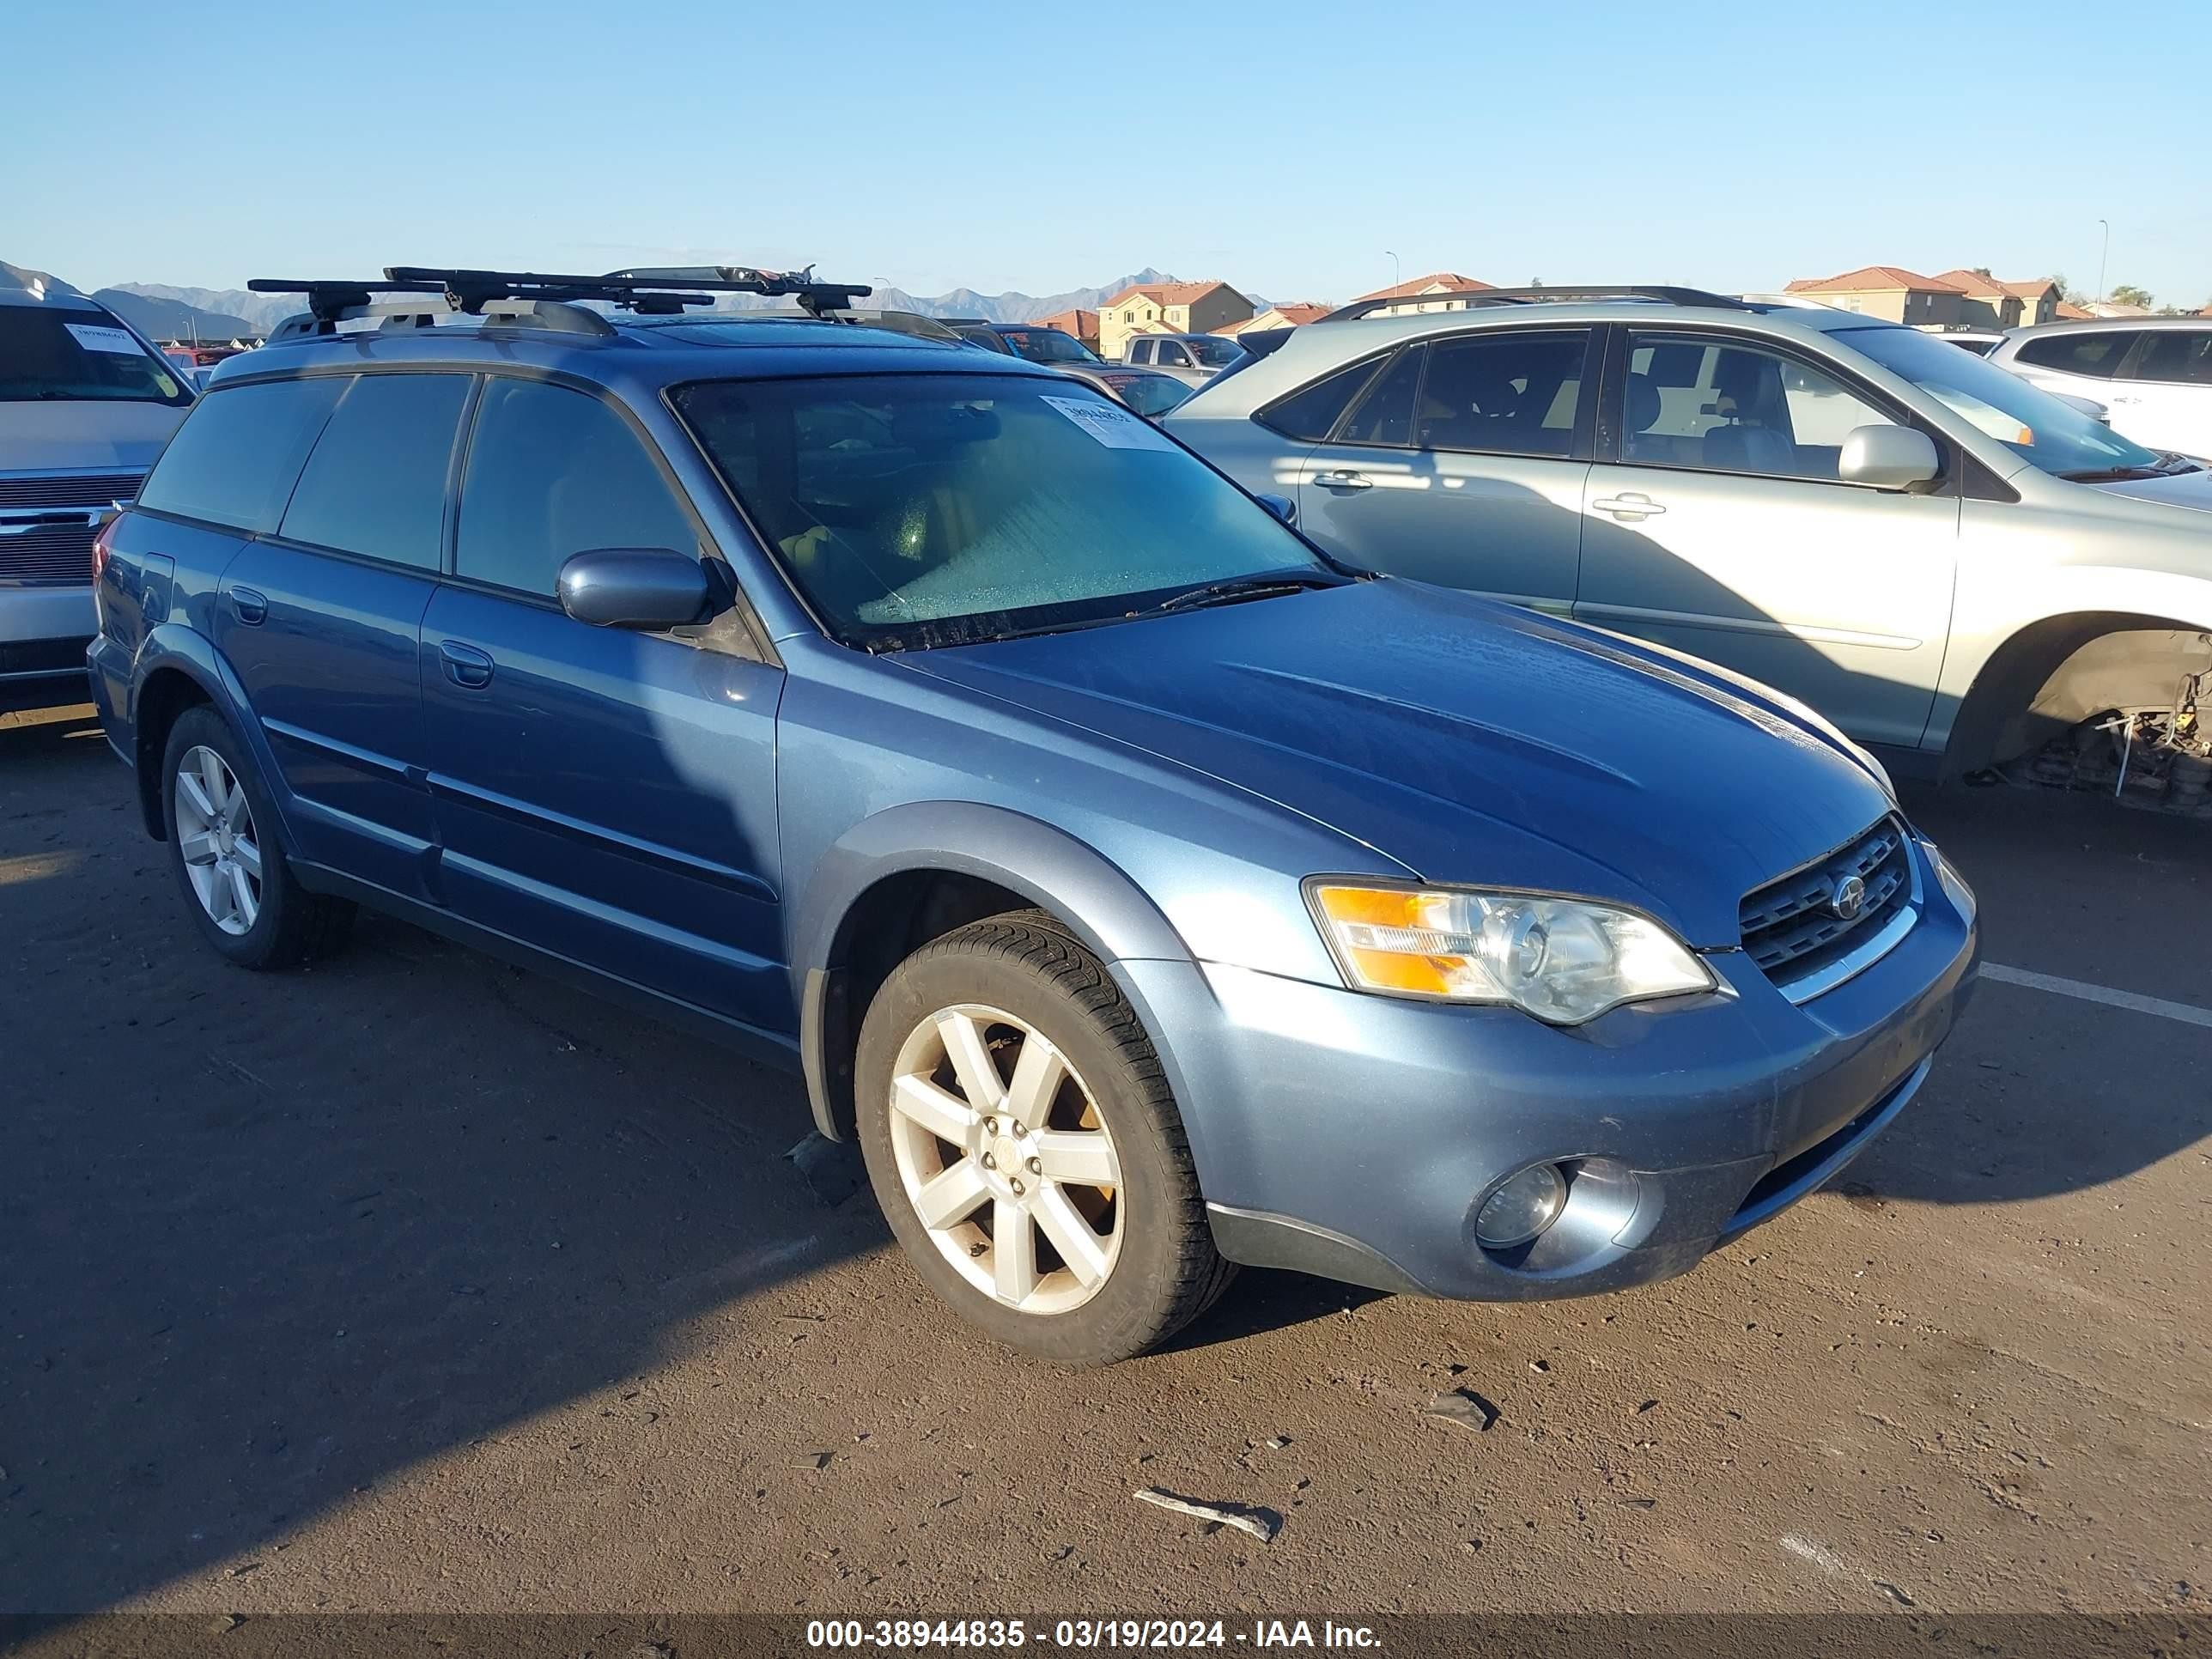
{"x":1195,"y":358}
{"x":86,"y":404}
{"x":1949,"y":563}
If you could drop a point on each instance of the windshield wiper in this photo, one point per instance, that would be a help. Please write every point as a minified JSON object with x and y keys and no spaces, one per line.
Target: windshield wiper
{"x":1247,"y":587}
{"x":2114,"y":474}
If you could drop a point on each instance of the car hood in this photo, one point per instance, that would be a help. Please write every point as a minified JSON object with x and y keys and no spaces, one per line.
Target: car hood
{"x":2190,"y":489}
{"x":1471,"y":743}
{"x":88,"y":434}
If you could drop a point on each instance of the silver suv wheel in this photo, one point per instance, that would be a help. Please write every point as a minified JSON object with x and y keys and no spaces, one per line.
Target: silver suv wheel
{"x":216,"y":838}
{"x":1004,"y":1155}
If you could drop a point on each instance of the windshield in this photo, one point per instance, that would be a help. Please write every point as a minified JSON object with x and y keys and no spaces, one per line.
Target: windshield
{"x":1047,"y":345}
{"x":1212,"y":351}
{"x":928,"y":509}
{"x":2028,"y":421}
{"x":66,"y":354}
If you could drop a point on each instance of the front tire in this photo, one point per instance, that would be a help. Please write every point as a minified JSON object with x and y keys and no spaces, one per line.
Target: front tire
{"x":1022,"y":1139}
{"x":224,"y":849}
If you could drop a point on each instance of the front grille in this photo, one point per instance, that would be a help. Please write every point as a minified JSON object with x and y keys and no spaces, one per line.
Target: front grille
{"x":48,"y":553}
{"x":1791,"y":928}
{"x":69,"y":489}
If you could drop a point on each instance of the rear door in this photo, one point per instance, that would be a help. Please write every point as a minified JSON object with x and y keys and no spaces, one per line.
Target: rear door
{"x":606,"y":795}
{"x":342,"y":481}
{"x":1715,"y":523}
{"x":1460,"y":461}
{"x":2162,"y":395}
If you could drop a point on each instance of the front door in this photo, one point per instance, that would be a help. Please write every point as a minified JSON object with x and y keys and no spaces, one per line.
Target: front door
{"x":1462,"y":462}
{"x":604,"y":795}
{"x":2163,"y":397}
{"x":321,"y":616}
{"x":1723,"y":529}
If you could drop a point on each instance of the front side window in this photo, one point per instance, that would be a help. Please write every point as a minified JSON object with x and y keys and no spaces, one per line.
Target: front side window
{"x":2097,"y":353}
{"x":69,"y":356}
{"x":237,"y":454}
{"x":2181,"y":356}
{"x":1717,"y":405}
{"x":923,"y":509}
{"x":2027,"y":420}
{"x":1215,"y":351}
{"x":553,"y":473}
{"x":1512,"y":393}
{"x":376,"y":483}
{"x":1172,"y":355}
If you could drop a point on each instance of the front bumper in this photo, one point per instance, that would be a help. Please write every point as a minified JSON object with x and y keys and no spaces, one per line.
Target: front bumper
{"x":1355,"y":1136}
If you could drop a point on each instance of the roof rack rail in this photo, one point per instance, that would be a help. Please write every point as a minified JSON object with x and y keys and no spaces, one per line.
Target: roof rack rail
{"x":1565,"y":293}
{"x":532,"y":297}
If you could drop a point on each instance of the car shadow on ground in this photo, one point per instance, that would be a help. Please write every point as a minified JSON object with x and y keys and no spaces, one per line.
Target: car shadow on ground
{"x":266,"y":1240}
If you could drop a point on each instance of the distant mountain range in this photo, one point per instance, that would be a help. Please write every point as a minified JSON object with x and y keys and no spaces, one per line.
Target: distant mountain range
{"x":168,"y":313}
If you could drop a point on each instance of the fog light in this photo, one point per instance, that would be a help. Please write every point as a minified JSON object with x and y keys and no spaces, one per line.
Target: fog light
{"x":1521,"y":1208}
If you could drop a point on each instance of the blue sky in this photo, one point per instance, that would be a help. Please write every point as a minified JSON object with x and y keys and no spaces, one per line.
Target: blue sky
{"x":1284,"y":148}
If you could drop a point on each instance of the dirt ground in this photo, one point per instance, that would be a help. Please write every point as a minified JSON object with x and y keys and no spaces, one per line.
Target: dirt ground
{"x":414,"y":1282}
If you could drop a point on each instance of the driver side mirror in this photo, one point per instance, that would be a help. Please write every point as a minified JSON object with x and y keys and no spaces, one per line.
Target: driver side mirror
{"x":641,"y":587}
{"x":1281,"y":506}
{"x":1888,"y":458}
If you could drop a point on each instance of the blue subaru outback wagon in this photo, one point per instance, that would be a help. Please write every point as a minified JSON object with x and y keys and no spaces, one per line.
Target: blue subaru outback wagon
{"x":1146,"y":892}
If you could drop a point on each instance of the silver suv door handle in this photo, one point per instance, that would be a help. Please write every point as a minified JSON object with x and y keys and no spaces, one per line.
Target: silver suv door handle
{"x":1629,"y":506}
{"x":1344,"y":478}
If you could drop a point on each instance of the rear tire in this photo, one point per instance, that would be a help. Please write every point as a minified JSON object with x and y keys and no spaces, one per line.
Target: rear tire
{"x":1060,"y":1211}
{"x":224,"y":849}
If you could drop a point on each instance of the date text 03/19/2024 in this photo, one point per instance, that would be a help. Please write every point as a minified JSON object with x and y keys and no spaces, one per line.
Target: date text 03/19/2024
{"x":1085,"y":1634}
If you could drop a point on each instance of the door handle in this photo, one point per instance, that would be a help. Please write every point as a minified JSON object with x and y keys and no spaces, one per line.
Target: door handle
{"x":465,"y":664}
{"x":1344,"y":477}
{"x":250,"y":607}
{"x":1629,"y":506}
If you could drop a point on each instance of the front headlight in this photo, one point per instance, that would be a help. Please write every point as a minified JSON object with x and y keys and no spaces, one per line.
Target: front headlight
{"x":1563,"y":960}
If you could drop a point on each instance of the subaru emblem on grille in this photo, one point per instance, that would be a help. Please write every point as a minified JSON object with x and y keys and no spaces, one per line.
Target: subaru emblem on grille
{"x":1849,"y":898}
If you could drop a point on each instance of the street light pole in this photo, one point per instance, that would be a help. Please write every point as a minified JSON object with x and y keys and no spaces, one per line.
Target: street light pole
{"x":1393,"y":267}
{"x":2101,"y":252}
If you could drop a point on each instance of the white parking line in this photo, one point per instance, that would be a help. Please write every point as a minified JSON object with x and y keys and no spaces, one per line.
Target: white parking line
{"x":2074,"y":987}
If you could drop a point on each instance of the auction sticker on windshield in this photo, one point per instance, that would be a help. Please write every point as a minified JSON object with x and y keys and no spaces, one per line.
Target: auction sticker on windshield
{"x":1117,"y":428}
{"x":94,"y":337}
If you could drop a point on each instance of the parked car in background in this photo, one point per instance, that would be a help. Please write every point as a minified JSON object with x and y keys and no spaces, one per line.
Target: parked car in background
{"x":1149,"y":392}
{"x":1145,"y":891}
{"x":86,"y":403}
{"x":1196,"y":358}
{"x":1027,"y":341}
{"x":1980,"y":341}
{"x":2154,"y":374}
{"x":1941,"y":557}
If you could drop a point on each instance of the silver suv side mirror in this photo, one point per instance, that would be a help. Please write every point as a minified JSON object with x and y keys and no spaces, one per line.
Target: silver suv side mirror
{"x":642,"y":587}
{"x":1888,"y":458}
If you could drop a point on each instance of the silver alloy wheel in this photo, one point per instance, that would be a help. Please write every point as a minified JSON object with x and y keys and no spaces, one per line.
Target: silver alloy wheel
{"x":216,"y":838}
{"x":1006,"y":1160}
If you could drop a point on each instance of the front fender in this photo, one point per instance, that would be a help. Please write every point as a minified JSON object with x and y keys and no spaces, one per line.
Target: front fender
{"x":1092,"y":897}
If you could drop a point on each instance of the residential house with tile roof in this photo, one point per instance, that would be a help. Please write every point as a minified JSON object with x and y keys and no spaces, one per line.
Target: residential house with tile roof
{"x":1168,"y":308}
{"x":1440,"y":290}
{"x":1890,"y":292}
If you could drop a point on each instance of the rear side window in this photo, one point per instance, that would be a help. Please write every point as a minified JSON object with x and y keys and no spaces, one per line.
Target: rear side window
{"x":1502,"y":394}
{"x":235,"y":459}
{"x":551,"y":473}
{"x":2181,"y":356}
{"x":2096,"y":354}
{"x":1311,"y":411}
{"x":1384,"y":413}
{"x":376,"y":483}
